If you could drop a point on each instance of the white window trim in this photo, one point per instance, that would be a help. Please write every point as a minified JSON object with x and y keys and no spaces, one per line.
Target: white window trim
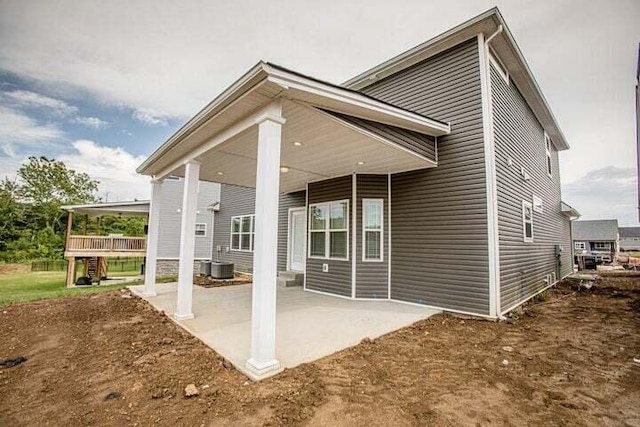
{"x":327,"y":231}
{"x":548,"y":163}
{"x":240,"y":233}
{"x":524,"y":222}
{"x":579,"y":246}
{"x":205,"y":229}
{"x":604,"y":246}
{"x":380,"y":230}
{"x":499,"y":66}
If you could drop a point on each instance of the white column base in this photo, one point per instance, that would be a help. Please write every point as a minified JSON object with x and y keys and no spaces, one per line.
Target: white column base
{"x":260,"y":369}
{"x":180,"y":317}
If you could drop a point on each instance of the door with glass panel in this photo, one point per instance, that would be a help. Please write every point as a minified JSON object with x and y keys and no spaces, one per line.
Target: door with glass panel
{"x":297,"y":233}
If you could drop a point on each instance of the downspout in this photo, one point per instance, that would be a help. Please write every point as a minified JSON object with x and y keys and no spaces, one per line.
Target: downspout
{"x":492,"y":190}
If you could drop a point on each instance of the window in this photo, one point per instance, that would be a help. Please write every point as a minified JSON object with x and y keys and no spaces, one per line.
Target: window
{"x":599,"y":246}
{"x":242,"y":232}
{"x":527,"y":221}
{"x":329,"y":230}
{"x":372,"y":229}
{"x":201,"y":230}
{"x":547,"y":149}
{"x":579,"y":246}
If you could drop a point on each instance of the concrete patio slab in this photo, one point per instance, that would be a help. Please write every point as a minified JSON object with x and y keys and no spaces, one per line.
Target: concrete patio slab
{"x":309,"y":325}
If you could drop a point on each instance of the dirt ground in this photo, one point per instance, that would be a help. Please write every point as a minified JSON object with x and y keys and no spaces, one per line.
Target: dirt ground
{"x":107,"y":360}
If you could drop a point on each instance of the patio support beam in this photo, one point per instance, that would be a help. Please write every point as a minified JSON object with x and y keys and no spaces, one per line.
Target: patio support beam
{"x":187,"y":242}
{"x":263,"y":309}
{"x":153,"y":230}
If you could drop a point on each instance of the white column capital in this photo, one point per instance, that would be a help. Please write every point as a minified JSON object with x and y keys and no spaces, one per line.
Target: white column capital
{"x":191,"y":162}
{"x":271,"y":118}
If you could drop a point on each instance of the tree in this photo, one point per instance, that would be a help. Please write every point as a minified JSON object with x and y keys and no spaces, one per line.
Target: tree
{"x":11,"y":213}
{"x":47,"y":184}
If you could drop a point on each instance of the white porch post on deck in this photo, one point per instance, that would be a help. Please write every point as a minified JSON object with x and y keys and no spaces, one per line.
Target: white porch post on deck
{"x":187,"y":241}
{"x":263,"y":312}
{"x":153,"y":228}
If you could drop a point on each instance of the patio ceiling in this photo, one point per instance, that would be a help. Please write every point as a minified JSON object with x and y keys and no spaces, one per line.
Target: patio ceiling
{"x":315,"y":146}
{"x":223,"y":136}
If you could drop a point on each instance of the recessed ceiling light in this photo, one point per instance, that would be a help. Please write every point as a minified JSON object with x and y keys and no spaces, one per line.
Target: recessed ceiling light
{"x":220,"y":173}
{"x":297,"y":143}
{"x":284,"y":169}
{"x":361,"y":163}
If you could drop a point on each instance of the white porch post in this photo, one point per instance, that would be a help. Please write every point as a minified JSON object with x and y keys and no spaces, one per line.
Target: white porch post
{"x":263,"y":312}
{"x":153,"y":226}
{"x":187,"y":241}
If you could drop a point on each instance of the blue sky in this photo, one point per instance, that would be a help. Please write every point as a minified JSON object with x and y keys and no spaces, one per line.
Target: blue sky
{"x":99,"y":85}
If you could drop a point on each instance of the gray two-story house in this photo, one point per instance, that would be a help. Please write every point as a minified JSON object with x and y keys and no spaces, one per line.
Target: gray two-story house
{"x":432,"y":178}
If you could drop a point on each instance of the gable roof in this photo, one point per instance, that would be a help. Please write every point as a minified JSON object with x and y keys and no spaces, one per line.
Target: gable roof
{"x":596,"y":230}
{"x":629,"y":232}
{"x":504,"y":46}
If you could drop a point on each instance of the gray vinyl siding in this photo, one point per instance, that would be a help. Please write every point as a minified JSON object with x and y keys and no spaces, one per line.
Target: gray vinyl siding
{"x":171,"y":218}
{"x":419,"y":143}
{"x":372,"y":277}
{"x":236,"y":201}
{"x":338,"y":279}
{"x":439,"y":215}
{"x":292,"y":200}
{"x":520,"y":137}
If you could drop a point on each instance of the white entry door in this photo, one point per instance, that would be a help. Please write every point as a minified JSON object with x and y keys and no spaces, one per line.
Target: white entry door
{"x":297,"y":233}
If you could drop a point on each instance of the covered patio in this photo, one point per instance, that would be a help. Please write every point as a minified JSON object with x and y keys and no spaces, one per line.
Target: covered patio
{"x":277,"y":131}
{"x":309,"y":326}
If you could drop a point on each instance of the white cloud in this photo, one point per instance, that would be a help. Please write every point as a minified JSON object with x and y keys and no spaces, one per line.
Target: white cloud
{"x":28,"y":99}
{"x":18,"y":130}
{"x":150,"y":117}
{"x":115,"y":168}
{"x":92,"y":122}
{"x":606,"y":193}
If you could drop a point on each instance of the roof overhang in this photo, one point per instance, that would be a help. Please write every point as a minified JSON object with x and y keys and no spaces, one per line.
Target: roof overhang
{"x":132,"y":208}
{"x":505,"y":47}
{"x":259,"y":87}
{"x":569,"y":211}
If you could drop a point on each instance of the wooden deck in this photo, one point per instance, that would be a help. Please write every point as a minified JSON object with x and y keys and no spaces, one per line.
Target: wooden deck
{"x":105,"y":246}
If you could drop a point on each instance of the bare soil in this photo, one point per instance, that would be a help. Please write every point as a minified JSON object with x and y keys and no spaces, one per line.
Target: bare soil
{"x":106,"y":359}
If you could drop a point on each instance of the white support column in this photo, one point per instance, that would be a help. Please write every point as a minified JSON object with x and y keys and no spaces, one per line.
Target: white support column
{"x":153,"y":228}
{"x":263,"y":311}
{"x":187,"y":241}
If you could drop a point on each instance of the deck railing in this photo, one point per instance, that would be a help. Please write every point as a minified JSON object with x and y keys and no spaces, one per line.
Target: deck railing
{"x":106,"y":244}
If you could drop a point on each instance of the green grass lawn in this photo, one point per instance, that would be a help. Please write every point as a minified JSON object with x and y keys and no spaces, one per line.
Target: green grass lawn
{"x":22,"y":287}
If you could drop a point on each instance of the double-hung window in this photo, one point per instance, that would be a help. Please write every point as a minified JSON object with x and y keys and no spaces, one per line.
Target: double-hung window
{"x":242,"y":232}
{"x":579,"y":246}
{"x":329,"y":230}
{"x":547,"y":149}
{"x":601,"y":246}
{"x":527,"y":221}
{"x":372,"y":229}
{"x":201,"y":229}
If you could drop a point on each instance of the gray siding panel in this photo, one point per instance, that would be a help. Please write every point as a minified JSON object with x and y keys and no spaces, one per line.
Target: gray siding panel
{"x":338,"y":279}
{"x":372,"y":277}
{"x":171,"y":218}
{"x":520,"y":137}
{"x":235,"y":201}
{"x":421,"y":144}
{"x":439,"y":216}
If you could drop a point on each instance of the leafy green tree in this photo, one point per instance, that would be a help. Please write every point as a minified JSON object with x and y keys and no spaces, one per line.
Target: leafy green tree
{"x":47,"y":184}
{"x":11,"y":213}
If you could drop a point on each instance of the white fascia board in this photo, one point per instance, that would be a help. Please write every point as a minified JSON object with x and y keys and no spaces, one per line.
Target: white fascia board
{"x":407,"y":119}
{"x":105,"y":205}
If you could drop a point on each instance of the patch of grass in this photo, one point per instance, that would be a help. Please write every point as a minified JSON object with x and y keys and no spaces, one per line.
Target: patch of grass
{"x":542,"y":296}
{"x":33,"y":286}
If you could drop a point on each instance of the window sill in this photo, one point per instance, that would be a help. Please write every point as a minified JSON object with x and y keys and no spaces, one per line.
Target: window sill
{"x":241,"y":250}
{"x":328,"y":259}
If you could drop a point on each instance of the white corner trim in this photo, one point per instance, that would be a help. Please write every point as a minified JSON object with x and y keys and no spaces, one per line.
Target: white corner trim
{"x":354,"y":233}
{"x":491,"y":182}
{"x":389,"y":236}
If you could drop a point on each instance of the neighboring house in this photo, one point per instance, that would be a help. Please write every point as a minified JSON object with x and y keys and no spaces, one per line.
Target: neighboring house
{"x":597,"y":236}
{"x":629,"y":238}
{"x":430,"y":179}
{"x":92,"y":247}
